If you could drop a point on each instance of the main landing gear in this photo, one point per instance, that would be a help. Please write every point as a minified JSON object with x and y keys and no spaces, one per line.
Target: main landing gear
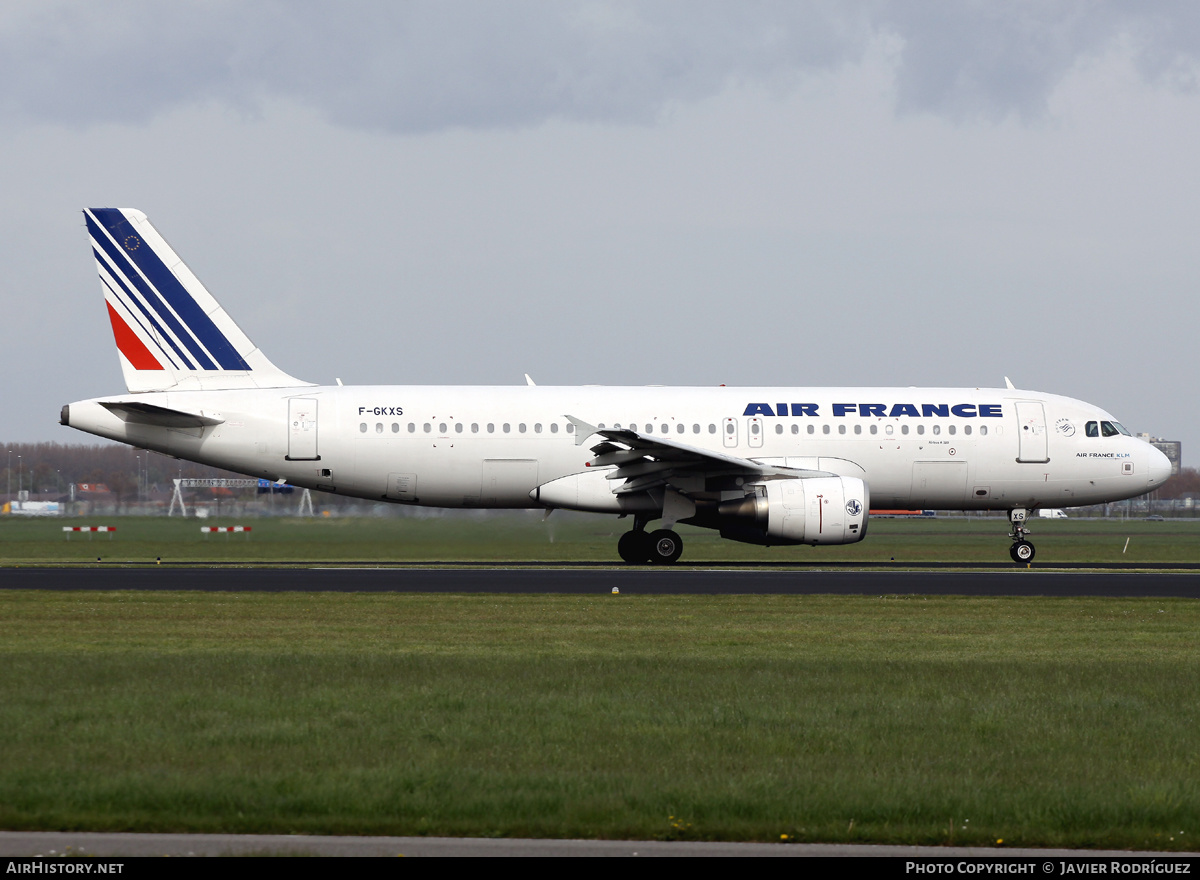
{"x":1021,"y":550}
{"x":638,"y":547}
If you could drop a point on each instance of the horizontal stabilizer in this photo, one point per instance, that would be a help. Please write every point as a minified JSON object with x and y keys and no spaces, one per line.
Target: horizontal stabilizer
{"x":148,"y":414}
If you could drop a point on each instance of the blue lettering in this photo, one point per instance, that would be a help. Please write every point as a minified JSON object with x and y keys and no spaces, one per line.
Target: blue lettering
{"x":781,"y":409}
{"x":964,"y":410}
{"x":872,"y":409}
{"x":935,"y":409}
{"x":804,"y":409}
{"x":903,"y":409}
{"x":990,"y":411}
{"x":758,"y":409}
{"x":840,"y":409}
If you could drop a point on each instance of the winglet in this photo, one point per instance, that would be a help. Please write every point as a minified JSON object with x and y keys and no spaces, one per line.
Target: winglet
{"x":1009,"y":385}
{"x":529,"y":381}
{"x":582,"y":429}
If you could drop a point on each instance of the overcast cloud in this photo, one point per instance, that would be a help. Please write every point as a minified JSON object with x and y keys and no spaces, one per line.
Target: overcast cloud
{"x":411,"y":67}
{"x":681,"y":192}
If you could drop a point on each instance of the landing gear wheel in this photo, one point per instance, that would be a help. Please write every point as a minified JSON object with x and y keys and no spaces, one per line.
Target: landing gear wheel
{"x":1021,"y":551}
{"x":665,"y":547}
{"x":634,"y":547}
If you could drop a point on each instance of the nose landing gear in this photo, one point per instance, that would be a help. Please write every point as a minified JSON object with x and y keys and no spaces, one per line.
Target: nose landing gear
{"x":1021,"y":549}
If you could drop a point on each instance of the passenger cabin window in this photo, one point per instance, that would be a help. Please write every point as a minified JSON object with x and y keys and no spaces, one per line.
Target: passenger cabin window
{"x":695,"y":429}
{"x":458,"y":429}
{"x":474,"y":427}
{"x":795,"y":429}
{"x":554,"y":427}
{"x":680,"y":428}
{"x":537,"y":427}
{"x":395,"y":428}
{"x":920,"y":429}
{"x":521,"y":427}
{"x":841,"y":429}
{"x":812,"y":429}
{"x":507,"y":427}
{"x":1091,"y":429}
{"x":428,"y":427}
{"x":412,"y":428}
{"x":983,"y":430}
{"x":491,"y":427}
{"x":874,"y":429}
{"x":937,"y":429}
{"x":362,"y":427}
{"x":665,"y":427}
{"x":966,"y":429}
{"x":904,"y":429}
{"x":824,"y":429}
{"x":858,"y":429}
{"x":950,"y":429}
{"x":442,"y":428}
{"x":779,"y":429}
{"x":570,"y":428}
{"x":712,"y":429}
{"x":379,"y":427}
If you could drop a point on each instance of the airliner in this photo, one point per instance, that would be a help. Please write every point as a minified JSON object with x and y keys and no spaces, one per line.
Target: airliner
{"x":761,"y":465}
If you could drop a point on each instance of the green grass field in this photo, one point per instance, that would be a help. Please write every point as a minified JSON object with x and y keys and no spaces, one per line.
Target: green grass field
{"x":905,"y":719}
{"x":910,"y":720}
{"x":567,"y":537}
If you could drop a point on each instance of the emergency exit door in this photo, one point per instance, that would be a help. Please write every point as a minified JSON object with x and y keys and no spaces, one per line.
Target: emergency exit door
{"x":302,"y":430}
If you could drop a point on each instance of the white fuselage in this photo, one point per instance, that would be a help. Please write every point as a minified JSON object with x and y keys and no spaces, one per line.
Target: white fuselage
{"x":492,"y":447}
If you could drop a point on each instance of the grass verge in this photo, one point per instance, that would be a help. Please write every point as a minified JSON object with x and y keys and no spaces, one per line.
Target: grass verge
{"x":567,"y":537}
{"x":912,"y":720}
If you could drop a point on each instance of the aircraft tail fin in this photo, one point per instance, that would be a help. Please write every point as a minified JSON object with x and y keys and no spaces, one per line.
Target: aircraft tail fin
{"x":170,"y":332}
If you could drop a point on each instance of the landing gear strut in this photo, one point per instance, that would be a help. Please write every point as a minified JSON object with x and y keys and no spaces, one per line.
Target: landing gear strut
{"x":1021,"y":550}
{"x":637,"y":547}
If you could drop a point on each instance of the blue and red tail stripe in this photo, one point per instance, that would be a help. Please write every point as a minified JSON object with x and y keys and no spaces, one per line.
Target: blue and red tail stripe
{"x":138,"y":268}
{"x":133,"y":348}
{"x":127,"y":296}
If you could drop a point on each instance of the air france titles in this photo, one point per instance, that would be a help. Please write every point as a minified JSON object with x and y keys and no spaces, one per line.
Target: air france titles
{"x":881,"y":410}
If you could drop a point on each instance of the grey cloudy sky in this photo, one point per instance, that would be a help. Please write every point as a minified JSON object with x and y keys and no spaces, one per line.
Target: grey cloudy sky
{"x":621,"y":193}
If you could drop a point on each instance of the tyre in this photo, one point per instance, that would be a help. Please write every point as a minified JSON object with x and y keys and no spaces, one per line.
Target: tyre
{"x":1022,"y":551}
{"x":665,"y":547}
{"x":634,"y":548}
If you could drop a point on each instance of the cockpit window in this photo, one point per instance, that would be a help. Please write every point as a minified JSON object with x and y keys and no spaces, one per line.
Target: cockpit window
{"x":1091,"y":429}
{"x":1122,"y":429}
{"x":1107,"y":429}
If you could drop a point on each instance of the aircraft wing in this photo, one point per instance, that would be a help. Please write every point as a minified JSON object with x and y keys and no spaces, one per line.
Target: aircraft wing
{"x":647,"y":461}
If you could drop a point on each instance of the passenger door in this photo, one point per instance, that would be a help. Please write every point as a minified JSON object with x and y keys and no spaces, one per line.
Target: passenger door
{"x":302,"y":430}
{"x":1031,"y":426}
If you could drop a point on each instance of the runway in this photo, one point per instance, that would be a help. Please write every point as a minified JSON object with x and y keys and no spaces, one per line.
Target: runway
{"x":632,"y":581}
{"x":41,"y":844}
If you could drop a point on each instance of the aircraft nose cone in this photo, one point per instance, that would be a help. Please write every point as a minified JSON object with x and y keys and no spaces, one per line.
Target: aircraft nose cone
{"x":1160,"y":468}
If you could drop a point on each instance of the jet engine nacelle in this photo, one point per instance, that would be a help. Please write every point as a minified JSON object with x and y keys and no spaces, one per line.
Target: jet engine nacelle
{"x":820,"y":510}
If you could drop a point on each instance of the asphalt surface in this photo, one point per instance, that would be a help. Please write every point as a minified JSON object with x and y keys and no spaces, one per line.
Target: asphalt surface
{"x":99,"y":844}
{"x":635,"y":581}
